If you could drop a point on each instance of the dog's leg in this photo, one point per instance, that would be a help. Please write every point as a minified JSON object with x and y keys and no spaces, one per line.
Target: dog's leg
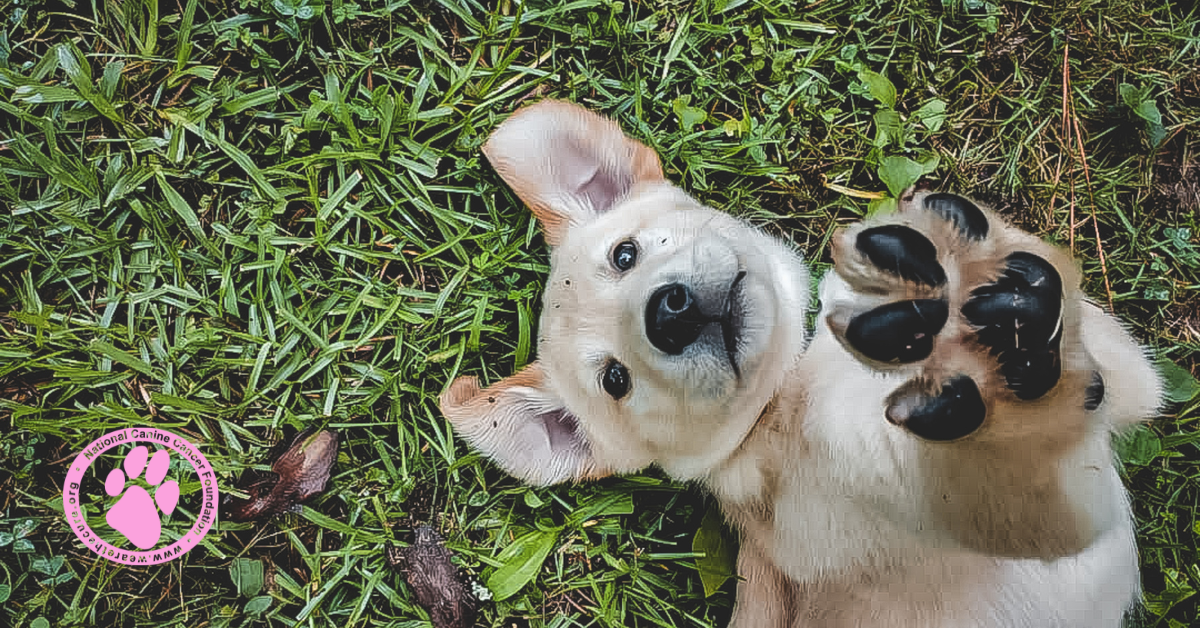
{"x":1012,"y":381}
{"x":766,"y":598}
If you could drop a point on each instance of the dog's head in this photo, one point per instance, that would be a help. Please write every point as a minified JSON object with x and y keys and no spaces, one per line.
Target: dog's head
{"x":666,"y":326}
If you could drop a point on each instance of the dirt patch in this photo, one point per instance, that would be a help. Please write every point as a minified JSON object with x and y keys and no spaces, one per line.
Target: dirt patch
{"x":435,"y":581}
{"x":1177,"y":182}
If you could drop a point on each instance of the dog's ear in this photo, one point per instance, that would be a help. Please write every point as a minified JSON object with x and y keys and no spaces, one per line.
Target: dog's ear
{"x":567,"y":163}
{"x":521,"y":426}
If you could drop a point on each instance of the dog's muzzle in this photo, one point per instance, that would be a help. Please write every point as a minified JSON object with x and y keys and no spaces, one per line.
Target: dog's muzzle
{"x":674,"y":320}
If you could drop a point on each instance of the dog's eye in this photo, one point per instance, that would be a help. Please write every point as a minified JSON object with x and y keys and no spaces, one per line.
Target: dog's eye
{"x":616,"y":380}
{"x":625,"y":255}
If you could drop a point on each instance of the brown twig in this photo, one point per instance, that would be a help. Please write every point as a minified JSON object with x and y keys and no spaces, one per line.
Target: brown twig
{"x":1087,"y":178}
{"x":1070,"y":125}
{"x":1066,"y":133}
{"x":171,"y":101}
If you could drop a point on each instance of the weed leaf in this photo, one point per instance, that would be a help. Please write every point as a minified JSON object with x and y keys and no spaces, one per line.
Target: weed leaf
{"x":1146,"y":108}
{"x":880,"y":87}
{"x":720,"y":558}
{"x":932,"y":114}
{"x":520,"y":562}
{"x":898,"y":173}
{"x":258,"y":605}
{"x":689,"y":117}
{"x":889,"y":130}
{"x":1139,"y":446}
{"x":247,"y":576}
{"x":1178,"y":383}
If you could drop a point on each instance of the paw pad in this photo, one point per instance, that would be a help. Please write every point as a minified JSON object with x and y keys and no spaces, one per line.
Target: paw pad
{"x":965,"y":215}
{"x":902,"y":251}
{"x":956,"y":411}
{"x":136,"y":514}
{"x":898,"y":332}
{"x":1020,"y":318}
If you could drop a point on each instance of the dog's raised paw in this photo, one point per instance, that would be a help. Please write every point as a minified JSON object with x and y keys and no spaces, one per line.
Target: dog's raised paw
{"x":977,"y":308}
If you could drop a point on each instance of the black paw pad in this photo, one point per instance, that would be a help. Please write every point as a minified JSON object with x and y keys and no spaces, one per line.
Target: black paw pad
{"x":898,"y":332}
{"x":1093,"y":395}
{"x":968,"y":218}
{"x":954,"y":413}
{"x":902,"y":251}
{"x":1020,"y":318}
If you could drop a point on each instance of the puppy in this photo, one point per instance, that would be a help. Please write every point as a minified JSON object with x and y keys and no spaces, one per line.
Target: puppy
{"x":938,"y":455}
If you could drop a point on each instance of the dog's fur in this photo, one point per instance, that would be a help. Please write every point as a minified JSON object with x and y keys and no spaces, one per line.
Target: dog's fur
{"x":846,"y":518}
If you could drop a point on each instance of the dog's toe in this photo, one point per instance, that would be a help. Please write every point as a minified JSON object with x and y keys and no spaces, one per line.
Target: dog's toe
{"x":903,"y":251}
{"x":965,"y":215}
{"x":901,"y":332}
{"x":1019,"y":317}
{"x":949,"y":414}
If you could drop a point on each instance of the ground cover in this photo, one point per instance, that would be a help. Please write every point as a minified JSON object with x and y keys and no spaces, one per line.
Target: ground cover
{"x":234,"y":220}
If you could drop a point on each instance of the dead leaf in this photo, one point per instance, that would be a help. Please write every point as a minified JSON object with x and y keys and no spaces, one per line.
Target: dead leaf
{"x":299,"y":473}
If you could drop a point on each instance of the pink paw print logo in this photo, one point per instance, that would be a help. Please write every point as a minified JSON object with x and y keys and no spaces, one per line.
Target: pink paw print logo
{"x":136,"y":515}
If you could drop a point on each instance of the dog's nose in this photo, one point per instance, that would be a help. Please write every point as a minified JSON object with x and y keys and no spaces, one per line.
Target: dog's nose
{"x":673,"y":318}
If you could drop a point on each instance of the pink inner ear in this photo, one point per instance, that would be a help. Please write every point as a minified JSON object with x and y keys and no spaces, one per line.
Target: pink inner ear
{"x":599,"y":185}
{"x":562,"y":428}
{"x":604,"y":189}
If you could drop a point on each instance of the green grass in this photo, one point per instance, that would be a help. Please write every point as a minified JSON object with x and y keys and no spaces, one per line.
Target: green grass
{"x":232,"y":219}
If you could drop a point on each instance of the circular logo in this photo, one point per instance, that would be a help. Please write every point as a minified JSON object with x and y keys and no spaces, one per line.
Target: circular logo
{"x":137,"y":515}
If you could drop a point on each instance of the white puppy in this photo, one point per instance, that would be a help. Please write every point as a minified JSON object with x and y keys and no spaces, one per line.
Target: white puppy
{"x":938,"y":455}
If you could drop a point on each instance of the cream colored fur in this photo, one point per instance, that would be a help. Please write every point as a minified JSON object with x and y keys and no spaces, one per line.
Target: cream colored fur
{"x":845,"y":518}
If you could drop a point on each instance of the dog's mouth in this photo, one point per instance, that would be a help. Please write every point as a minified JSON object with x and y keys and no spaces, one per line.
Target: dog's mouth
{"x":731,"y":322}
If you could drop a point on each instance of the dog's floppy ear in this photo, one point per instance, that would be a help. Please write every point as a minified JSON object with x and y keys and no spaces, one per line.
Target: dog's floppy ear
{"x":567,"y":163}
{"x":521,"y":426}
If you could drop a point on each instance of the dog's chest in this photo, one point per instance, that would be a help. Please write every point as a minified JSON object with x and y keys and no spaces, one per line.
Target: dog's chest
{"x":842,"y":483}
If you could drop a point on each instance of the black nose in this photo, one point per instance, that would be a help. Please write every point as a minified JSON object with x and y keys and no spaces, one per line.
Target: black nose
{"x":673,"y":319}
